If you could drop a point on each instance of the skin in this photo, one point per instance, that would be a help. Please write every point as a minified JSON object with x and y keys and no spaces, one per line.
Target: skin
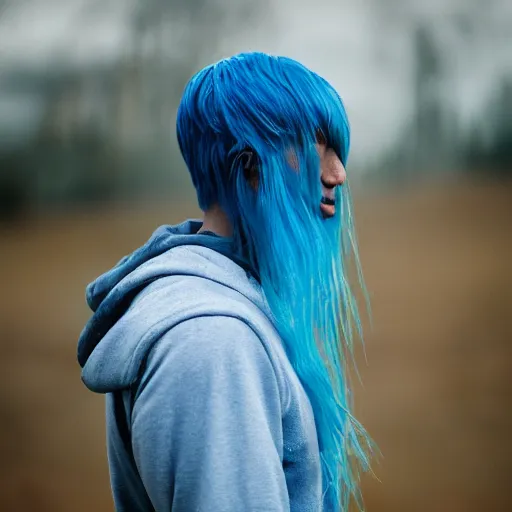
{"x":332,"y":174}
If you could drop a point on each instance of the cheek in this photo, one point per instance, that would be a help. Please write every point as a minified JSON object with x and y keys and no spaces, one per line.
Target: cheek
{"x":322,"y":155}
{"x":293,"y":160}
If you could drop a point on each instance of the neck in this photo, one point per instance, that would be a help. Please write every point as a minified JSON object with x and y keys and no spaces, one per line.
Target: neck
{"x":217,"y":221}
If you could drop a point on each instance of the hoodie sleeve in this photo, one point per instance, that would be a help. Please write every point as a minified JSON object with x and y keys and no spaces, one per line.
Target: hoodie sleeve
{"x":206,"y":423}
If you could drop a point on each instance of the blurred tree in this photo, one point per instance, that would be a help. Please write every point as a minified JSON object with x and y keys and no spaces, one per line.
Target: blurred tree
{"x":425,"y":141}
{"x":14,"y":195}
{"x":170,"y":41}
{"x":108,"y":127}
{"x":434,"y":141}
{"x":427,"y":86}
{"x":488,"y":145}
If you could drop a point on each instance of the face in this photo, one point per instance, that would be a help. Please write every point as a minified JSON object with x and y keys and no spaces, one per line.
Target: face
{"x":332,"y":174}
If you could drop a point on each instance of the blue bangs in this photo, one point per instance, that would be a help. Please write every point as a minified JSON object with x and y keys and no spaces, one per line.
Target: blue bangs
{"x":274,"y":109}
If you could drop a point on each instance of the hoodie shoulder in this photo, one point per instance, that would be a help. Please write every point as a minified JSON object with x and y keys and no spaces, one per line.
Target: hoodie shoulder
{"x":115,"y":362}
{"x":203,"y":365}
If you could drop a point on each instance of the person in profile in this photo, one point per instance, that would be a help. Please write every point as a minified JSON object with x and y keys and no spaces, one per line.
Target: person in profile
{"x":222,"y":345}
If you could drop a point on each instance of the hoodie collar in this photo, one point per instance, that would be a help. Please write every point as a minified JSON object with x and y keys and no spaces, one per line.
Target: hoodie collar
{"x":110,"y":295}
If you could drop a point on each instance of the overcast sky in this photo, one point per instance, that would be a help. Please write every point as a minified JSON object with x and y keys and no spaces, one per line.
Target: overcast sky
{"x":363,"y":47}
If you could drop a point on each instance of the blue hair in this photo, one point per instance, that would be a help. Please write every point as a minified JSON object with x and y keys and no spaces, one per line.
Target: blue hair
{"x":274,"y":107}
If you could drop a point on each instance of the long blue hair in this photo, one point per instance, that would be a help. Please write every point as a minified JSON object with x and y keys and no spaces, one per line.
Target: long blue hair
{"x":273,"y":108}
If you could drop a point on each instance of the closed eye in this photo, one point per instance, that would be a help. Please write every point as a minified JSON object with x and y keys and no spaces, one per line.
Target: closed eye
{"x":320,"y":138}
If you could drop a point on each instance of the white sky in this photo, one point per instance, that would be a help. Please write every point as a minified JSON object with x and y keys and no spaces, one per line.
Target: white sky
{"x":38,"y":33}
{"x":363,"y":47}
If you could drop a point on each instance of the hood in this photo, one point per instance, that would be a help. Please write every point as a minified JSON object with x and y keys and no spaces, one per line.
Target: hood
{"x":110,"y":295}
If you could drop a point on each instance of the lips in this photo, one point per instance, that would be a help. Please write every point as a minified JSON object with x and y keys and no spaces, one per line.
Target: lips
{"x":327,"y":206}
{"x":328,"y":203}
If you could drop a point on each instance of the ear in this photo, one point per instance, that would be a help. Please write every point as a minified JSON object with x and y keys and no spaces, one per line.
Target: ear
{"x":250,"y":167}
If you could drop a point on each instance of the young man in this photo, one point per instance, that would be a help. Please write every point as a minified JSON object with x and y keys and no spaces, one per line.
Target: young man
{"x":222,"y":344}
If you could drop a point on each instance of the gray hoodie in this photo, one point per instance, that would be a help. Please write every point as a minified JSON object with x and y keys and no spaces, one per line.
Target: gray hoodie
{"x":204,"y":411}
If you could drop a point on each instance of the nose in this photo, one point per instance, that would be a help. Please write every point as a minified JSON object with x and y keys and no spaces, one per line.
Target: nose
{"x":333,"y":171}
{"x":340,"y":175}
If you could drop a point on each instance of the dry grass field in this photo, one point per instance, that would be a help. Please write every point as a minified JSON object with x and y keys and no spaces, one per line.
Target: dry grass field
{"x":437,"y":394}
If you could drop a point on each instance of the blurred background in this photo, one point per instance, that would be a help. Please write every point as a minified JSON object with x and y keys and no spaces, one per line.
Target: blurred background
{"x":89,"y":167}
